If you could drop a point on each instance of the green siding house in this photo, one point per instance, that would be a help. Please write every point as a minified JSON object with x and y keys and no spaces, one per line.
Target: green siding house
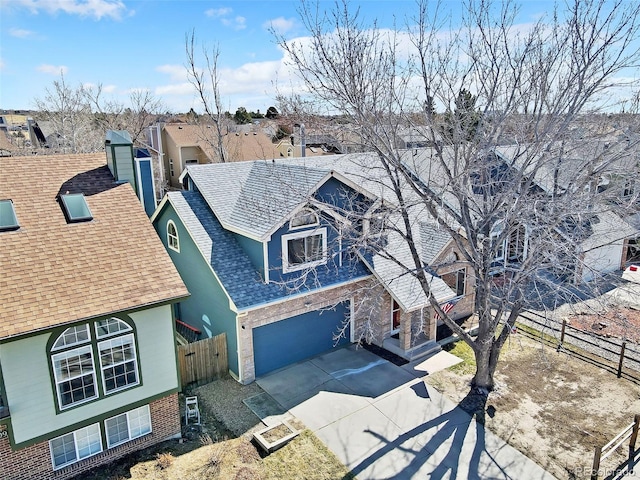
{"x":88,"y":369}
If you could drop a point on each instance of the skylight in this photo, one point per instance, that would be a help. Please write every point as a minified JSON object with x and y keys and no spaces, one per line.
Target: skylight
{"x":76,"y":208}
{"x":8,"y":219}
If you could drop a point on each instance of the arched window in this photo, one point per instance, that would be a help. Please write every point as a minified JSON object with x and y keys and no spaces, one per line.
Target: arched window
{"x":77,"y":373}
{"x":304,"y":218}
{"x":172,"y":236}
{"x":289,"y":152}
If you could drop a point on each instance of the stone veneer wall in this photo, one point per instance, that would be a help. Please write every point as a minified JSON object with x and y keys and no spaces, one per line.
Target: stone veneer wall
{"x":34,"y":462}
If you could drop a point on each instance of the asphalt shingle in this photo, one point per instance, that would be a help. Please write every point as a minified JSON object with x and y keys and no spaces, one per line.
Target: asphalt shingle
{"x":53,"y":272}
{"x":233,"y":267}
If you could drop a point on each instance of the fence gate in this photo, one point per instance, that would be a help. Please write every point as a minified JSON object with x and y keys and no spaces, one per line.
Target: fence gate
{"x":203,"y":361}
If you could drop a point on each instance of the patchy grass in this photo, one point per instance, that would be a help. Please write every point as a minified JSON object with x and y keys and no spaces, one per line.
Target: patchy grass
{"x":551,"y":406}
{"x":294,"y":461}
{"x":463,"y":351}
{"x":224,"y":450}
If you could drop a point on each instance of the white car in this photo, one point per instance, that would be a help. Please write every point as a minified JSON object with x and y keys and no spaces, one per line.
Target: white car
{"x":632,"y":273}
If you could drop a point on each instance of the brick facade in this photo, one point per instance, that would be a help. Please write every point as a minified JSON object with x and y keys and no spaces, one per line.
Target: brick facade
{"x":371,"y":308}
{"x":34,"y":462}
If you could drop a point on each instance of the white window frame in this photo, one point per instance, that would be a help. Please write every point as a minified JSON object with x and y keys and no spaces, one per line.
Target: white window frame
{"x":82,"y":350}
{"x":304,"y":211}
{"x":173,"y":240}
{"x":75,"y":434}
{"x":114,"y":343}
{"x":286,"y":265}
{"x":97,"y":341}
{"x":108,"y":322}
{"x":521,"y":239}
{"x":144,"y":410}
{"x":72,"y":331}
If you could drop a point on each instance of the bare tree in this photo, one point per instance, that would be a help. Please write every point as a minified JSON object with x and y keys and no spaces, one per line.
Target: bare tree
{"x":511,"y":182}
{"x":66,"y":117}
{"x":206,"y":81}
{"x":109,"y":114}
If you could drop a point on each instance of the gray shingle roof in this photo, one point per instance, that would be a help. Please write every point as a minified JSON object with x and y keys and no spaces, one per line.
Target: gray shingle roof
{"x":433,"y":239}
{"x":255,"y":197}
{"x":232,"y":265}
{"x":401,"y":283}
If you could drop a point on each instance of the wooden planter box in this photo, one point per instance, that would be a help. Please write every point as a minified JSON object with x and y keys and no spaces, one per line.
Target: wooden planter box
{"x":276,"y":436}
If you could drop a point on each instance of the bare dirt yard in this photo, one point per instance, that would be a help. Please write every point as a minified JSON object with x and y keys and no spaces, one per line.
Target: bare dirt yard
{"x":222,"y":447}
{"x":551,"y":406}
{"x":617,"y":322}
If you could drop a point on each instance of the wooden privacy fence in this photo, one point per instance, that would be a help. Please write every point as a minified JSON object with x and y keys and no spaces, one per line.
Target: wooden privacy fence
{"x":203,"y":361}
{"x":631,"y":433}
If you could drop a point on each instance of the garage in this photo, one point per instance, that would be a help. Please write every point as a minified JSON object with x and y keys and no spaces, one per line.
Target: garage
{"x":297,"y":338}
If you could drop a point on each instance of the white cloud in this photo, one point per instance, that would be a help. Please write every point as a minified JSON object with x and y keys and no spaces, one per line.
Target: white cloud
{"x":103,"y":88}
{"x":218,"y":12}
{"x":250,"y":77}
{"x":177,"y":73}
{"x":224,"y":14}
{"x":237,"y":23}
{"x":97,"y":9}
{"x":175,"y":89}
{"x":250,"y":85}
{"x":280,"y":25}
{"x":20,"y":33}
{"x":53,"y":69}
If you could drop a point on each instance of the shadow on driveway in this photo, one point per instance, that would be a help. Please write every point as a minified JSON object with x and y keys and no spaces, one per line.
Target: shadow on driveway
{"x":382,"y":421}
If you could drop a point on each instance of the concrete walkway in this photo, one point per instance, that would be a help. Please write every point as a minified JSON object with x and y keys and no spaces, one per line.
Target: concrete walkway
{"x":382,"y":421}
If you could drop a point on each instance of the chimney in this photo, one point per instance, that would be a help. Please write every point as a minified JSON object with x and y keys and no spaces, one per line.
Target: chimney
{"x":133,"y":166}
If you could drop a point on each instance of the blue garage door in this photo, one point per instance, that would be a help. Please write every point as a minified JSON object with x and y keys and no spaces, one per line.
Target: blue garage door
{"x":293,"y":339}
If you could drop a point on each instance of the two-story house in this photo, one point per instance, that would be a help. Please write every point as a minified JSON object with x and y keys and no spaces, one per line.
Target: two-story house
{"x":266,"y":250}
{"x":87,"y":345}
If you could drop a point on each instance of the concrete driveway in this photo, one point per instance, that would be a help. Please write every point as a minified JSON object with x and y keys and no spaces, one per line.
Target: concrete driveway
{"x":382,"y":421}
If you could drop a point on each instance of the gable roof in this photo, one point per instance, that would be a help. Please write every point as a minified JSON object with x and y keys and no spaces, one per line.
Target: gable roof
{"x":232,"y":266}
{"x":256,"y":198}
{"x":53,"y":272}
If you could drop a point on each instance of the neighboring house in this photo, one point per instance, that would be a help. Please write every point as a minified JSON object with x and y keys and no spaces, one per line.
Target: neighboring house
{"x":605,"y":240}
{"x":87,"y":340}
{"x":265,"y":248}
{"x":184,"y":144}
{"x":417,"y":137}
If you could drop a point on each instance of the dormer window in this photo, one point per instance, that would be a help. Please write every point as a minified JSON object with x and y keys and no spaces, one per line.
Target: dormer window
{"x":8,"y":219}
{"x":304,"y":218}
{"x":75,"y":208}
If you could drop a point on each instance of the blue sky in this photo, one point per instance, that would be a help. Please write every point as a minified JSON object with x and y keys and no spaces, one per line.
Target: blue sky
{"x":127,"y":45}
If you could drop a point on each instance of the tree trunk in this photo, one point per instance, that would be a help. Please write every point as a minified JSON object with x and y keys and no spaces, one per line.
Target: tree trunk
{"x":486,"y":361}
